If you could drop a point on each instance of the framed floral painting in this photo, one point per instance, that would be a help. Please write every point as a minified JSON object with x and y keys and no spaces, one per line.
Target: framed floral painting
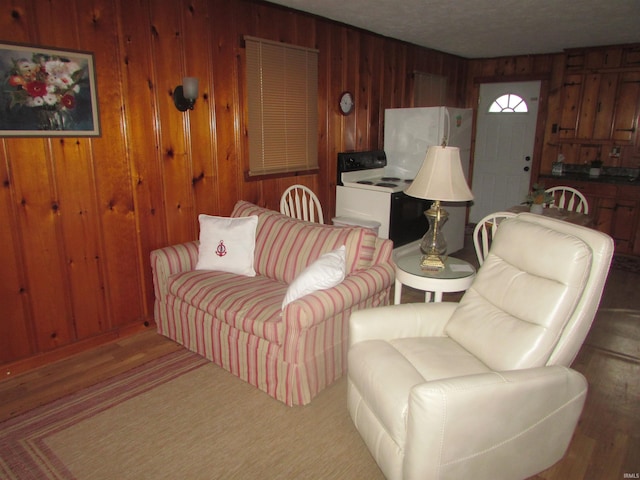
{"x":47,"y":93}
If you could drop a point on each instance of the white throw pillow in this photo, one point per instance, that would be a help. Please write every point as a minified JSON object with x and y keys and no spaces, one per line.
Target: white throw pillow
{"x":326,"y":272}
{"x":227,"y":244}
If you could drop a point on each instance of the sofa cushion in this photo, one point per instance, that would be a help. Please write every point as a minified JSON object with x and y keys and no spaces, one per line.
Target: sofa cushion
{"x":326,"y":272}
{"x":227,"y":244}
{"x":286,"y":246}
{"x":250,"y":304}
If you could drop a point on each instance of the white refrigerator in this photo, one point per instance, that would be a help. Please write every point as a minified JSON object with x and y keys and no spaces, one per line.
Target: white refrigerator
{"x":409,"y":132}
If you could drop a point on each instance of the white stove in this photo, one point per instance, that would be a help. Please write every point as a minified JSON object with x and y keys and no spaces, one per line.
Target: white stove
{"x":377,"y":179}
{"x":368,"y":189}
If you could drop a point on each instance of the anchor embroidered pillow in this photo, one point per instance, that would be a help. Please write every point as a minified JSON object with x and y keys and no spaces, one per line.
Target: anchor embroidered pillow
{"x":227,"y":244}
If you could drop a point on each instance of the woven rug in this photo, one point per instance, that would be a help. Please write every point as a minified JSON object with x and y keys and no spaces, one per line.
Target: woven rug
{"x":181,"y":417}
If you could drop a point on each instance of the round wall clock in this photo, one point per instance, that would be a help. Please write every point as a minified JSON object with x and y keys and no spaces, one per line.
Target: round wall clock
{"x":346,"y":103}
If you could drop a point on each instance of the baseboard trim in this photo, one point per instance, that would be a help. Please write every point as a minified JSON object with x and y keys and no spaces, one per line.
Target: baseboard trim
{"x":24,"y":365}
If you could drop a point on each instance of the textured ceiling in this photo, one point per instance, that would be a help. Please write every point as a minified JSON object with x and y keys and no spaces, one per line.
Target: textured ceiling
{"x":488,"y":28}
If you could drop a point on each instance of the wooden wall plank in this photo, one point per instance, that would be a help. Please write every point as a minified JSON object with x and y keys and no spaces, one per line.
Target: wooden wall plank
{"x":229,"y":135}
{"x":81,"y":235}
{"x":16,"y":22}
{"x":141,"y":130}
{"x":199,"y":45}
{"x":327,"y":121}
{"x":16,"y":333}
{"x":364,"y":78}
{"x":120,"y":268}
{"x":168,"y":52}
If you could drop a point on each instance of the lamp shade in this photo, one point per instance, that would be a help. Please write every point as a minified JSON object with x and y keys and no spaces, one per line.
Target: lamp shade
{"x":441,"y":177}
{"x":190,"y":87}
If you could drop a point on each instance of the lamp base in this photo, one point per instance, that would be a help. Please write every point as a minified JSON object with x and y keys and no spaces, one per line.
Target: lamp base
{"x":431,"y":263}
{"x":433,"y":244}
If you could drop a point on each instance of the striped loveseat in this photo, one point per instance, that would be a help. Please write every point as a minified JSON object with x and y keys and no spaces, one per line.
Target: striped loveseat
{"x":238,"y":322}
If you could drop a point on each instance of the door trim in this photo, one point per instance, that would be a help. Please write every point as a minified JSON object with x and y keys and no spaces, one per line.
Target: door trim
{"x":543,"y":107}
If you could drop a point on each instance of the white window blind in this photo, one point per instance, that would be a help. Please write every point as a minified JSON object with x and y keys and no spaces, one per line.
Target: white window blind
{"x":282,"y":94}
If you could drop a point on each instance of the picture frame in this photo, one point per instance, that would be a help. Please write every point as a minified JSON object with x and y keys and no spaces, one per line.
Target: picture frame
{"x":47,"y":92}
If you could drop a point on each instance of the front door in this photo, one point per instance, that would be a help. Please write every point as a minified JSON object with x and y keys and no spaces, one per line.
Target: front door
{"x":505,"y":135}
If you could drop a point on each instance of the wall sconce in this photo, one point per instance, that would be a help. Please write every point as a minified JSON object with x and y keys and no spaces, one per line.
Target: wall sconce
{"x":185,"y":95}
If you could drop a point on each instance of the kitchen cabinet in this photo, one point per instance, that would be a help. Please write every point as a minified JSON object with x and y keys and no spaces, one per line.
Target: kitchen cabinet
{"x":625,"y":218}
{"x":602,"y":58}
{"x":625,"y":125}
{"x":571,"y":95}
{"x":631,"y":56}
{"x":597,"y":106}
{"x":615,"y":209}
{"x":600,"y":96}
{"x":600,"y":108}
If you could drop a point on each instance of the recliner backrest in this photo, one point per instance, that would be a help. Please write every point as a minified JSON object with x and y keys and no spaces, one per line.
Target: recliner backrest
{"x":534,"y":298}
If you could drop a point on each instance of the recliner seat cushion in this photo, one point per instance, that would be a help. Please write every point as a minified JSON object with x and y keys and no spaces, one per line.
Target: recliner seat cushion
{"x":400,"y":365}
{"x":518,"y":325}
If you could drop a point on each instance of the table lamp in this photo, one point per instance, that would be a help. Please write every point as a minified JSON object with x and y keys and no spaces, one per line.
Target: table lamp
{"x":440,"y":178}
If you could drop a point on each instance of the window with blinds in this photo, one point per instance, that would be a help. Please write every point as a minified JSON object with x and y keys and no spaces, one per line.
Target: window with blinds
{"x":282,"y":94}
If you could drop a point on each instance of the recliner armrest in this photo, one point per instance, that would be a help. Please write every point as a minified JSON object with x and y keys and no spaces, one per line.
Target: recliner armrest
{"x":489,"y":423}
{"x":400,"y":321}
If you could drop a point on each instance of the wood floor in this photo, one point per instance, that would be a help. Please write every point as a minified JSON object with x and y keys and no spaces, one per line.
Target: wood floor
{"x":606,"y":444}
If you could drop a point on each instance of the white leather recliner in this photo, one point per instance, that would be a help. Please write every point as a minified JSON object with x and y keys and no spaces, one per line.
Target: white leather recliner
{"x":481,"y":389}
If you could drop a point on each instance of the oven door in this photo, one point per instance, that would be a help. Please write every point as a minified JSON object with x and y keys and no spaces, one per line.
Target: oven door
{"x":408,"y":222}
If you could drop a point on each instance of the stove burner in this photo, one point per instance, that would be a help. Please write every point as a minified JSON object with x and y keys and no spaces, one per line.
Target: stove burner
{"x":386,"y":184}
{"x":365,"y":182}
{"x":390,"y":179}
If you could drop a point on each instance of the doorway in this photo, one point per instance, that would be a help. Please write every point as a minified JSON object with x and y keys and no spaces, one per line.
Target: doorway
{"x":505,"y":137}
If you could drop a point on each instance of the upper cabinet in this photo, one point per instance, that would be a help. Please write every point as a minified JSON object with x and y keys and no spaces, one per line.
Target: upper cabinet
{"x":625,"y":123}
{"x":601,"y":95}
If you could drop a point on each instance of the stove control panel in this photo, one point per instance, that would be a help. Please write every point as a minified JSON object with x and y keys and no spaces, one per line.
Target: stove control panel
{"x":355,"y":161}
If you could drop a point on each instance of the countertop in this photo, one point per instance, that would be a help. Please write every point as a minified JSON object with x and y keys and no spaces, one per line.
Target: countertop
{"x":584,"y":177}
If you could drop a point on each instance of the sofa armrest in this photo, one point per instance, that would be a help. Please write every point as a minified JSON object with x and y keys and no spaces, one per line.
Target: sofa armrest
{"x":355,"y":289}
{"x":488,"y":425}
{"x":170,"y":260}
{"x":400,"y":321}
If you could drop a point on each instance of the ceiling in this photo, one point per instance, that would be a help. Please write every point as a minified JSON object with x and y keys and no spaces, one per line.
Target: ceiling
{"x":488,"y":28}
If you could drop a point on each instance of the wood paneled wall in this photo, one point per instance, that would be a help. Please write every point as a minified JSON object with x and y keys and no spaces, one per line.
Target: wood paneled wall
{"x":79,"y":216}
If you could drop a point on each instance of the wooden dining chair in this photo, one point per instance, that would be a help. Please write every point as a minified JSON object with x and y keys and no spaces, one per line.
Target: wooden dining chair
{"x":484,"y":232}
{"x":568,"y":198}
{"x":299,"y":201}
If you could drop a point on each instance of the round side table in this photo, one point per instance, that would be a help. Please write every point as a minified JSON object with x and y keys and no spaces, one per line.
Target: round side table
{"x":456,"y":276}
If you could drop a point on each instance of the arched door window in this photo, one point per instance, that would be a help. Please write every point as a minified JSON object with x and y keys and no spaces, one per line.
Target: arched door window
{"x":509,"y":103}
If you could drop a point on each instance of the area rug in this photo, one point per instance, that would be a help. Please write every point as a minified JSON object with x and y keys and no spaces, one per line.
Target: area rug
{"x":181,"y":417}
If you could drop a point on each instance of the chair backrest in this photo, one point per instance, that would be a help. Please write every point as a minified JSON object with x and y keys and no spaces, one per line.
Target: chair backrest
{"x":484,"y":232}
{"x":534,"y":299}
{"x":300,"y":202}
{"x":569,"y":198}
